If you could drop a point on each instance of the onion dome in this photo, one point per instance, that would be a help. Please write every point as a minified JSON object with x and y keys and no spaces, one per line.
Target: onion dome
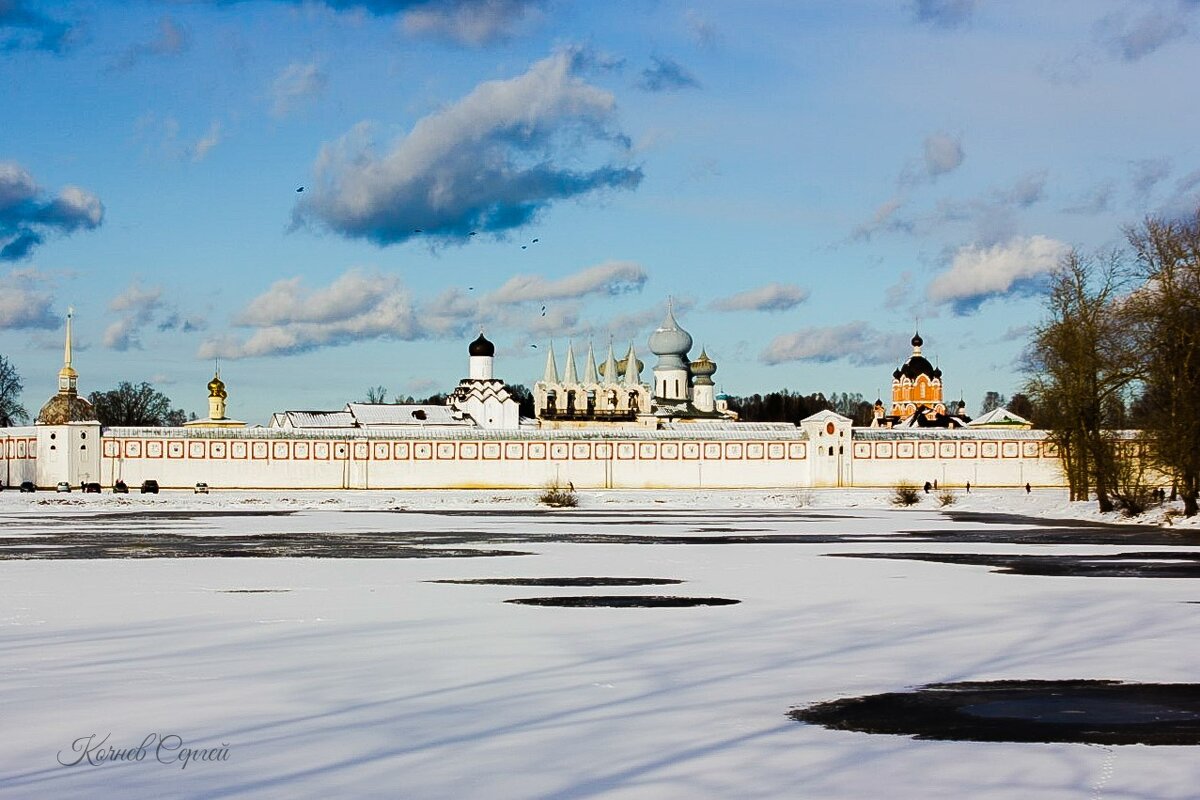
{"x":482,"y":347}
{"x":216,"y":387}
{"x":623,"y":364}
{"x":703,"y":368}
{"x":670,"y":343}
{"x":66,"y":407}
{"x":917,"y":364}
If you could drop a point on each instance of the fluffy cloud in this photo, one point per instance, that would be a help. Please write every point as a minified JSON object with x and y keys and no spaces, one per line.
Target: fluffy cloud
{"x":138,"y":307}
{"x":944,"y":13}
{"x":1027,"y":191}
{"x":297,"y":85}
{"x":666,"y":75}
{"x":359,"y":305}
{"x":612,"y":278}
{"x":857,"y":342}
{"x":290,"y":318}
{"x":772,"y":297}
{"x":1132,"y":39}
{"x":468,"y":22}
{"x":979,"y":273}
{"x":25,"y":301}
{"x":23,"y":28}
{"x":943,"y":155}
{"x":27,"y":215}
{"x":171,"y":40}
{"x":485,"y":163}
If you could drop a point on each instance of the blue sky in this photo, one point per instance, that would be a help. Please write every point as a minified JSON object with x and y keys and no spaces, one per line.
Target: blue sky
{"x":806,"y":179}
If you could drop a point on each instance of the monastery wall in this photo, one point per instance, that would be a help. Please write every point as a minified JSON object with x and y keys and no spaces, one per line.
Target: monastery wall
{"x":273,"y":459}
{"x":954,"y":458}
{"x":18,"y":450}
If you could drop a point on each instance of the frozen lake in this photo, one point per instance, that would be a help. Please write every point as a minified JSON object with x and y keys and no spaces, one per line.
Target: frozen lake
{"x":342,"y":666}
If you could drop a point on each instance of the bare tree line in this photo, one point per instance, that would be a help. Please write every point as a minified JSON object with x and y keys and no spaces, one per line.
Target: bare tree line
{"x":1123,"y":330}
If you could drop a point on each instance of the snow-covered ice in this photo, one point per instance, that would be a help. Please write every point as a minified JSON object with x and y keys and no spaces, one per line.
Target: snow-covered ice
{"x":360,"y":678}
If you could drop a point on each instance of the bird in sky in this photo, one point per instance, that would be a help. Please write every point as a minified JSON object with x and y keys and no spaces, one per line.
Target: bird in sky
{"x":301,"y":189}
{"x":534,"y":346}
{"x":472,"y":233}
{"x":523,"y":246}
{"x":543,"y":311}
{"x":535,"y":241}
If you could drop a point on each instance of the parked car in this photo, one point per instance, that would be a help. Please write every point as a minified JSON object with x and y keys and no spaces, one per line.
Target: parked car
{"x":202,"y":488}
{"x":91,"y":488}
{"x":63,"y":486}
{"x":27,"y":486}
{"x":150,"y":487}
{"x":120,"y":488}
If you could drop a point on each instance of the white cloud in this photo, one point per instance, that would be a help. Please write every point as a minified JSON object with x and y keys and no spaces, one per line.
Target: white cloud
{"x":485,"y":163}
{"x":470,"y":22}
{"x":297,"y":85}
{"x":27,"y":214}
{"x":25,"y":301}
{"x":172,"y":39}
{"x":979,"y":273}
{"x":137,"y":307}
{"x":612,"y":278}
{"x":943,"y":154}
{"x":360,"y":305}
{"x":857,"y":342}
{"x":162,"y":137}
{"x":884,"y":218}
{"x":290,"y":318}
{"x":772,"y":297}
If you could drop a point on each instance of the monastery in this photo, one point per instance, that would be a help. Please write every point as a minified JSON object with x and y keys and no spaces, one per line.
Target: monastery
{"x":602,"y":426}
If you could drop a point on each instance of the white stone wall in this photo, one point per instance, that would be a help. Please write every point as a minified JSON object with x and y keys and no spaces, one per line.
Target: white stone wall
{"x":954,"y":458}
{"x":380,"y":460}
{"x":68,"y":453}
{"x":18,"y":453}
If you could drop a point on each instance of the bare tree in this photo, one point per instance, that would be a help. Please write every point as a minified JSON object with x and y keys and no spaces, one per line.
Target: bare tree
{"x":1165,"y":319}
{"x":134,"y":406}
{"x":1081,"y":366}
{"x":11,"y":411}
{"x":376,"y":394}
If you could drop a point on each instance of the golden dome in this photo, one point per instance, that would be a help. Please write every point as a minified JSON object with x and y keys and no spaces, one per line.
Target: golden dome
{"x":216,"y":387}
{"x":64,"y":408}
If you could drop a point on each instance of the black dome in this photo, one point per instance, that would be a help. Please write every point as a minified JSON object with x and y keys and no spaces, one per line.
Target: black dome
{"x":917,"y":341}
{"x":482,"y":347}
{"x":918,"y":365}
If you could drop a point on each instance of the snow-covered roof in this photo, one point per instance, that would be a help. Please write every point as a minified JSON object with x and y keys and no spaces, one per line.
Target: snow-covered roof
{"x":313,"y":419}
{"x":728,"y":425}
{"x":418,"y":415}
{"x":1000,"y":416}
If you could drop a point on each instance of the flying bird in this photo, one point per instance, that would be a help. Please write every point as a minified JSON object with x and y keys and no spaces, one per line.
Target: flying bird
{"x":534,"y":346}
{"x":472,"y":233}
{"x":301,"y":189}
{"x":535,"y":241}
{"x":523,"y":247}
{"x":543,"y":311}
{"x":417,"y":230}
